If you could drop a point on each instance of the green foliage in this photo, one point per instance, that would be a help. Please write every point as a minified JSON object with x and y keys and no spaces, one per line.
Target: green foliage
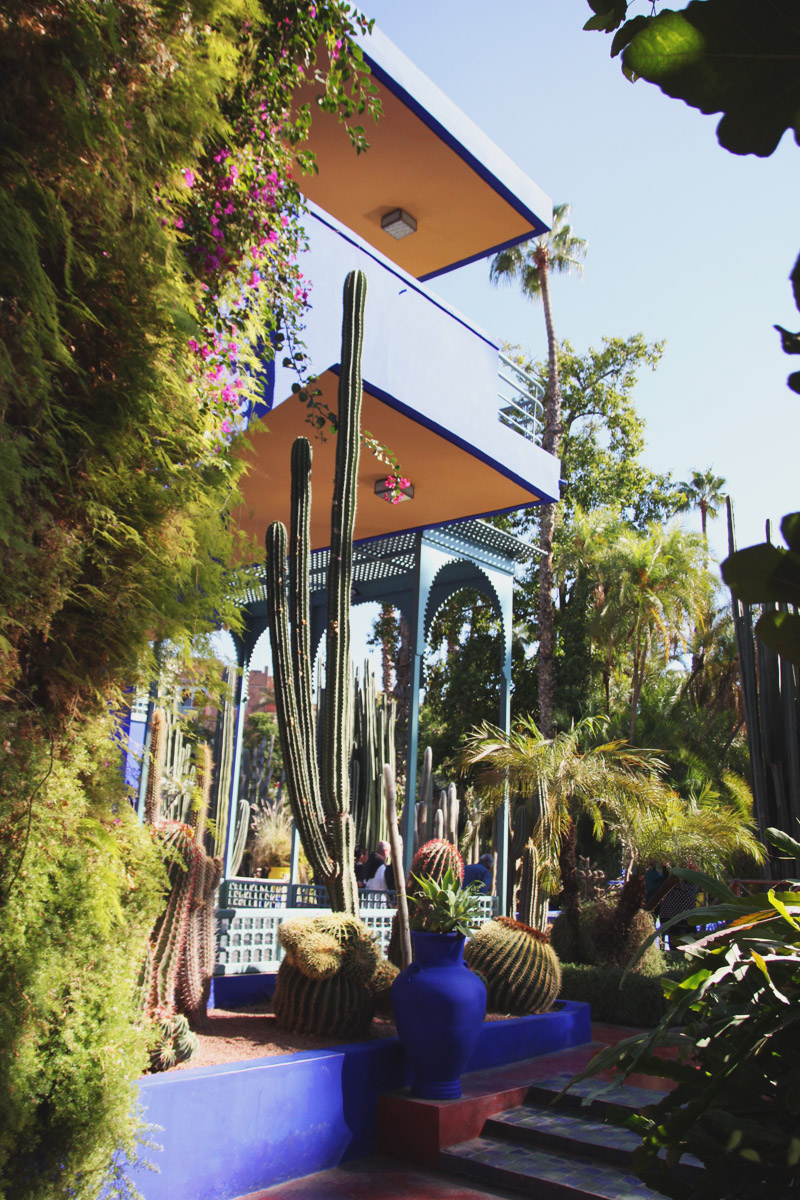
{"x":327,"y":982}
{"x":462,"y":673}
{"x":736,"y":57}
{"x":120,"y":124}
{"x":603,"y":435}
{"x":770,"y":575}
{"x":518,"y":965}
{"x":443,"y":906}
{"x":734,"y":1024}
{"x":615,"y":996}
{"x":80,"y":885}
{"x":320,"y":793}
{"x":602,"y":941}
{"x":731,"y":56}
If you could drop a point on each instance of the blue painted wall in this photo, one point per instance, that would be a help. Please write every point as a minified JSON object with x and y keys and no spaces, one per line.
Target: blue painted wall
{"x":232,"y":1129}
{"x":419,"y":356}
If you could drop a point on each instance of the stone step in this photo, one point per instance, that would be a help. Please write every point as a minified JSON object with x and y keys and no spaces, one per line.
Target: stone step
{"x":564,"y":1132}
{"x":595,"y":1096}
{"x":545,"y":1174}
{"x":573,"y":1132}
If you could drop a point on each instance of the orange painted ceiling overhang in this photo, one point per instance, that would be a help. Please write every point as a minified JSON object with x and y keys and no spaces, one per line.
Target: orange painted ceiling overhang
{"x":450,"y":483}
{"x":426,"y":157}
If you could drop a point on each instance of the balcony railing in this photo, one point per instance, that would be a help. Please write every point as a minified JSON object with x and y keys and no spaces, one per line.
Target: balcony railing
{"x":520,"y":399}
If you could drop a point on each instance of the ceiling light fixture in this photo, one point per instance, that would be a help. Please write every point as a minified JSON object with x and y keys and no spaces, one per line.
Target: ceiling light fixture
{"x":398,"y":223}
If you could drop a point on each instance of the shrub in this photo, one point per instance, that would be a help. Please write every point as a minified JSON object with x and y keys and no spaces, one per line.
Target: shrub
{"x":80,"y":885}
{"x":605,"y":939}
{"x":639,"y":1001}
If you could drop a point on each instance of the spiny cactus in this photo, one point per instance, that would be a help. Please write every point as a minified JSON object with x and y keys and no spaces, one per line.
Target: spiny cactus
{"x":180,"y":954}
{"x":521,"y":828}
{"x":431,"y":860}
{"x":518,"y":965}
{"x":434,"y":858}
{"x":174,"y":1042}
{"x":528,"y":902}
{"x":152,"y":796}
{"x":327,"y":982}
{"x":320,"y":798}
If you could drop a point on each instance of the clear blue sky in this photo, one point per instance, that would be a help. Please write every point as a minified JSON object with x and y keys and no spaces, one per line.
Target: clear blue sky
{"x":687,"y":242}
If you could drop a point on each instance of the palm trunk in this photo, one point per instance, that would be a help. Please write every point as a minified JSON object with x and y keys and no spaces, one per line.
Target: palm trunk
{"x":636,"y":690}
{"x":550,"y":443}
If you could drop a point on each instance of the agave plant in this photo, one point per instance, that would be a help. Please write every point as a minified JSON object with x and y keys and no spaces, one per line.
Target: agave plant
{"x":443,"y":906}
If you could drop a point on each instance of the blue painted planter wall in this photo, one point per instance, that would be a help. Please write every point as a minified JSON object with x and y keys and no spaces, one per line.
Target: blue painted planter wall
{"x":234,"y":1128}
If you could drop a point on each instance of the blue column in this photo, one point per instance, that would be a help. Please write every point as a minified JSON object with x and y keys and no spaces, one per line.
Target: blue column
{"x":504,"y":587}
{"x":416,"y":619}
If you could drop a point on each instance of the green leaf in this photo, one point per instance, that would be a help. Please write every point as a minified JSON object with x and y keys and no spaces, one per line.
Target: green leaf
{"x":737,"y":57}
{"x":784,"y":842}
{"x":790,"y":528}
{"x":781,"y":631}
{"x":780,"y":907}
{"x":763,"y":573}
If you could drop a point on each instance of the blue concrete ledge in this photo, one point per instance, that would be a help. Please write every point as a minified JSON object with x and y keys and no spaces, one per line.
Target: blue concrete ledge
{"x":232,"y":991}
{"x":235,"y":1128}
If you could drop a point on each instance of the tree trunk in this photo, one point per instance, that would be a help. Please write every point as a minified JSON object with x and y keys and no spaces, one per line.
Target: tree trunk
{"x":550,"y":443}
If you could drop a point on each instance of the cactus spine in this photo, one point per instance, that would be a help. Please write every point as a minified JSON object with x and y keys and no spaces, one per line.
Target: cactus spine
{"x":532,"y":904}
{"x":179,"y":962}
{"x":320,"y":799}
{"x":328,"y":981}
{"x":518,"y":965}
{"x":433,"y":860}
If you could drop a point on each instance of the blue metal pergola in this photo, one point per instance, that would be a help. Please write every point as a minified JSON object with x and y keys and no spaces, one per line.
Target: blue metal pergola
{"x":417,"y":572}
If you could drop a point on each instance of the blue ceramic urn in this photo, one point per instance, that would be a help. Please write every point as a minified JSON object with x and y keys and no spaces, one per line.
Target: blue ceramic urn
{"x":439,"y":1006}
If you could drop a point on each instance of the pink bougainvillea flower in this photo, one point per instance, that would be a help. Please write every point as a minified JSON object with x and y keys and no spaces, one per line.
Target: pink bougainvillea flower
{"x":189,"y":177}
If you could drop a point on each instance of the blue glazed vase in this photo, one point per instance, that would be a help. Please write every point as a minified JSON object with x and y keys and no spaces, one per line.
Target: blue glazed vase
{"x":439,"y":1006}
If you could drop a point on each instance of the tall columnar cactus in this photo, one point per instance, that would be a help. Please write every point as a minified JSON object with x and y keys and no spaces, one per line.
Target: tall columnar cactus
{"x":528,"y":900}
{"x":320,"y":798}
{"x":180,"y":954}
{"x":152,"y":796}
{"x":223,"y":756}
{"x":423,"y":825}
{"x":518,"y":965}
{"x":329,"y":979}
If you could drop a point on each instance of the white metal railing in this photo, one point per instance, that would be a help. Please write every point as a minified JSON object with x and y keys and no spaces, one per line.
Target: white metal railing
{"x":520,"y":399}
{"x":247,"y":937}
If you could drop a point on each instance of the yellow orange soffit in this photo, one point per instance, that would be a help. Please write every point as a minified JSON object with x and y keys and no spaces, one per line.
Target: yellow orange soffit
{"x":414,"y":164}
{"x":449,"y":484}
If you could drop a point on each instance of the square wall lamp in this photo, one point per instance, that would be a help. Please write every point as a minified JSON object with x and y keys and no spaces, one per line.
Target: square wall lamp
{"x":398,"y":223}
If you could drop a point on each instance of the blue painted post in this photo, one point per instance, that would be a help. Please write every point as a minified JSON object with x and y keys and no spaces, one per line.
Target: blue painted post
{"x":416,"y":628}
{"x":505,"y":594}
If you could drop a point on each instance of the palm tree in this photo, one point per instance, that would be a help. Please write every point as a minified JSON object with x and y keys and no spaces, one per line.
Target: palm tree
{"x":702,"y":831}
{"x":702,"y":491}
{"x":566,"y":774}
{"x":532,"y":264}
{"x":651,"y":586}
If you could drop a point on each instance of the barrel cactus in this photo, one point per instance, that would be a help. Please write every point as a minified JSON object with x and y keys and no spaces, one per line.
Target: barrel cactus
{"x":434,"y":859}
{"x":518,"y":965}
{"x":328,"y":981}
